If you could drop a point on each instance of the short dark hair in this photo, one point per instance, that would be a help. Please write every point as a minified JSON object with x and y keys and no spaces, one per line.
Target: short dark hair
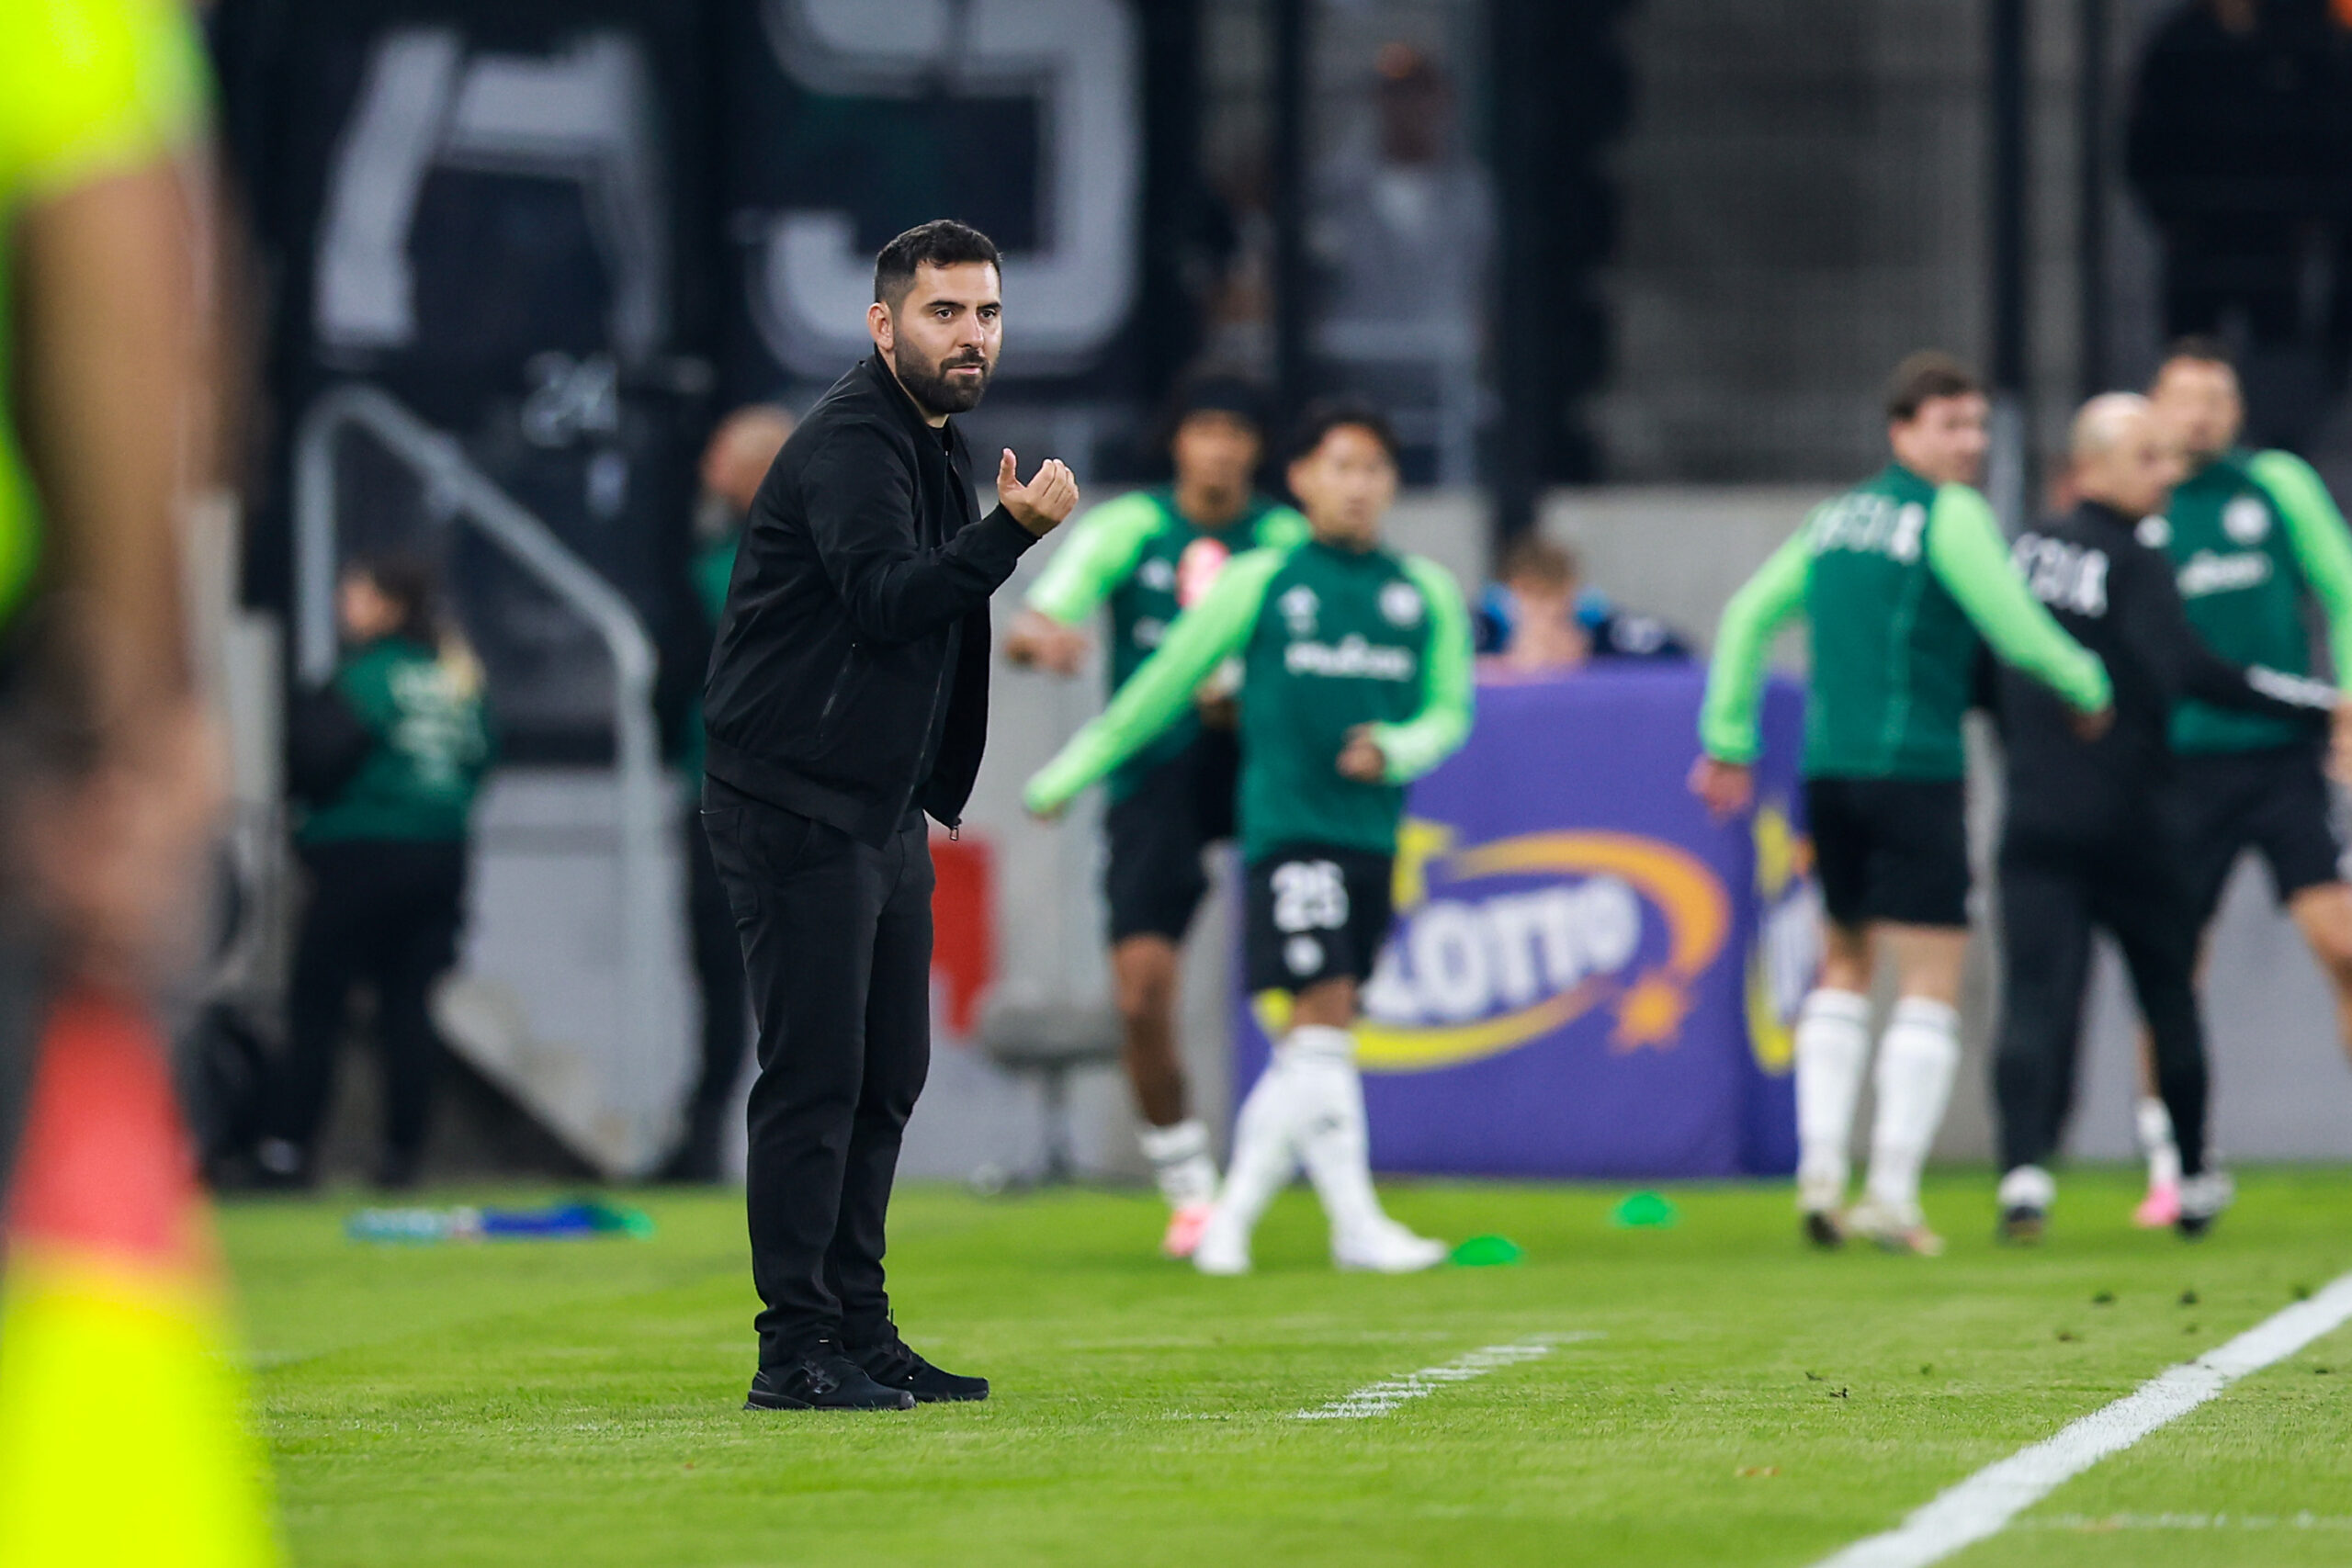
{"x":1324,"y":415}
{"x":1210,"y":388}
{"x":1921,"y":379}
{"x":943,"y":242}
{"x":2203,"y":348}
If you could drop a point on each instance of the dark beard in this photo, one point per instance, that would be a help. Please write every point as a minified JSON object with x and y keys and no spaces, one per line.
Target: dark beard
{"x":932,"y":390}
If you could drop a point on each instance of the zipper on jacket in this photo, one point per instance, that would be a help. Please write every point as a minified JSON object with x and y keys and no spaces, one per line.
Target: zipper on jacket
{"x":833,"y":697}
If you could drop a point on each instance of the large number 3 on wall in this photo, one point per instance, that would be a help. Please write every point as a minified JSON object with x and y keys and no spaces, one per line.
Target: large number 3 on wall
{"x":1079,"y":57}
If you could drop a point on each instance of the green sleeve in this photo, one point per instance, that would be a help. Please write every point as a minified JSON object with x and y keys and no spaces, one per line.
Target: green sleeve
{"x":1435,"y":733}
{"x":1101,"y":549}
{"x":1281,"y":527}
{"x":2322,"y":547}
{"x":1160,"y":691}
{"x":1743,"y":640}
{"x":1969,"y":558}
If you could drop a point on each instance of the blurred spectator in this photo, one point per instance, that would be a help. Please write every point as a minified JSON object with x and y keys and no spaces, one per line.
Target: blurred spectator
{"x":2229,"y":148}
{"x":387,"y":758}
{"x":733,"y":465}
{"x":1404,"y":227}
{"x":1542,"y":620}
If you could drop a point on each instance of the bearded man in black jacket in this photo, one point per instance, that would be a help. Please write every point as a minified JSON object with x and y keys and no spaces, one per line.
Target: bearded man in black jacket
{"x":847,"y":697}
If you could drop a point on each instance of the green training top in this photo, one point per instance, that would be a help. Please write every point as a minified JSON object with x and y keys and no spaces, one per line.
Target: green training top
{"x":88,"y":88}
{"x":432,"y":746}
{"x":2251,"y":536}
{"x":1898,"y":578}
{"x":1143,"y":558}
{"x":1328,"y":639}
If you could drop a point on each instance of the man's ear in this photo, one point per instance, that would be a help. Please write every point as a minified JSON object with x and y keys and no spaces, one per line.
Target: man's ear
{"x":885,"y":330}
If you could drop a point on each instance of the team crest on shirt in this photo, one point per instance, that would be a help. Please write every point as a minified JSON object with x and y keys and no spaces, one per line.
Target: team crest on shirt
{"x":1401,"y":604}
{"x":1298,"y":608}
{"x":2153,"y":532}
{"x":1159,"y":574}
{"x":2245,"y":520}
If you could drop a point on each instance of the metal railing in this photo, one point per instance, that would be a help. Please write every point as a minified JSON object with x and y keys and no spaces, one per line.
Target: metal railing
{"x":462,"y":492}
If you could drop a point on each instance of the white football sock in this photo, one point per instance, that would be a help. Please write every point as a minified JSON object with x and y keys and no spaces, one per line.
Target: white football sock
{"x":2155,"y":1124}
{"x":1916,"y":1058}
{"x":1330,"y":1127}
{"x":1832,"y":1045}
{"x":1181,"y":1162}
{"x":1265,"y":1151}
{"x":2028,"y":1186}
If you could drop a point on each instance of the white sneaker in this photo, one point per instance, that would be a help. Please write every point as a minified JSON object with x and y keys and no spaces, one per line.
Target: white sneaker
{"x":1896,"y":1228}
{"x":1222,"y":1248}
{"x":1385,"y":1247}
{"x":2202,"y":1199}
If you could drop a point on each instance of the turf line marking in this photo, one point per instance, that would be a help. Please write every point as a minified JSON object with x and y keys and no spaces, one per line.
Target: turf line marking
{"x":1380,"y":1398}
{"x":1983,"y":1505}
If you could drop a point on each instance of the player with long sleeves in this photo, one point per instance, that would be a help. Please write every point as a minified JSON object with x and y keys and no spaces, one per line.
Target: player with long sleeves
{"x":1356,"y":678}
{"x":1143,"y":558}
{"x":2254,"y":541}
{"x":1903,"y":580}
{"x":2091,"y":838}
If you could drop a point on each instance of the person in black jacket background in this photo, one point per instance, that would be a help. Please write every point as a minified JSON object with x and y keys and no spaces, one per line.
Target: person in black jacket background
{"x":847,"y":697}
{"x":2089,"y":839}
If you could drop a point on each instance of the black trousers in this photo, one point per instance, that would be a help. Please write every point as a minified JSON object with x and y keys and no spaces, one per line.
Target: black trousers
{"x":388,"y":913}
{"x":836,"y":939}
{"x":2054,"y":892}
{"x":719,"y":977}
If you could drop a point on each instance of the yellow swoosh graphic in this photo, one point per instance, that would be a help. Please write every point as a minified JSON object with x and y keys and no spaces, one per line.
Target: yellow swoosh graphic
{"x":1698,"y":917}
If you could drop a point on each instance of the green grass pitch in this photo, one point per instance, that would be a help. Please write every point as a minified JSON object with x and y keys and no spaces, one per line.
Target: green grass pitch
{"x":1746,"y":1402}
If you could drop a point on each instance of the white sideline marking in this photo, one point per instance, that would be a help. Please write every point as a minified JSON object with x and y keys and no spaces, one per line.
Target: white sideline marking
{"x":1984,"y":1503}
{"x":1380,"y":1398}
{"x":2107,"y":1524}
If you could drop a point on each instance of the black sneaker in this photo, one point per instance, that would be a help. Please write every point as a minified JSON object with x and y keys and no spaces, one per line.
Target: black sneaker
{"x":2021,"y":1224}
{"x":1821,"y":1229}
{"x":822,"y":1378}
{"x":889,"y":1362}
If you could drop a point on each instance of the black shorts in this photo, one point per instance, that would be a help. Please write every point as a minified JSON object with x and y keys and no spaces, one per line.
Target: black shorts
{"x":1892,"y":850}
{"x":1153,"y":880}
{"x":2274,"y":801}
{"x":1315,"y":913}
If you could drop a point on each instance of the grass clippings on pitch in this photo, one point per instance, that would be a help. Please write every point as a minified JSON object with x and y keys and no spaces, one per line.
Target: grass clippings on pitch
{"x":1705,"y":1394}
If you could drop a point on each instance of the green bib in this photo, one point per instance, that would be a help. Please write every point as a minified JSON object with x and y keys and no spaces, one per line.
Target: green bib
{"x":1341,"y":640}
{"x":2244,"y":593}
{"x":431,"y":747}
{"x":1894,"y":655}
{"x":1176,"y":566}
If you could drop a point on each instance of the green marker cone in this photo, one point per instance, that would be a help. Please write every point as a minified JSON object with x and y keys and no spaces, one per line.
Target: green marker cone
{"x":1487,"y":1252}
{"x":1644,"y":1211}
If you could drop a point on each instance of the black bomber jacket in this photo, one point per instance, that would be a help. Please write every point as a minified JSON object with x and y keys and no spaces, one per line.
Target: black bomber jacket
{"x":850,"y":678}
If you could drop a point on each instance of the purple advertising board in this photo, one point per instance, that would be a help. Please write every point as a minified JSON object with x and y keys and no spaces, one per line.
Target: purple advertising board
{"x":1589,"y":976}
